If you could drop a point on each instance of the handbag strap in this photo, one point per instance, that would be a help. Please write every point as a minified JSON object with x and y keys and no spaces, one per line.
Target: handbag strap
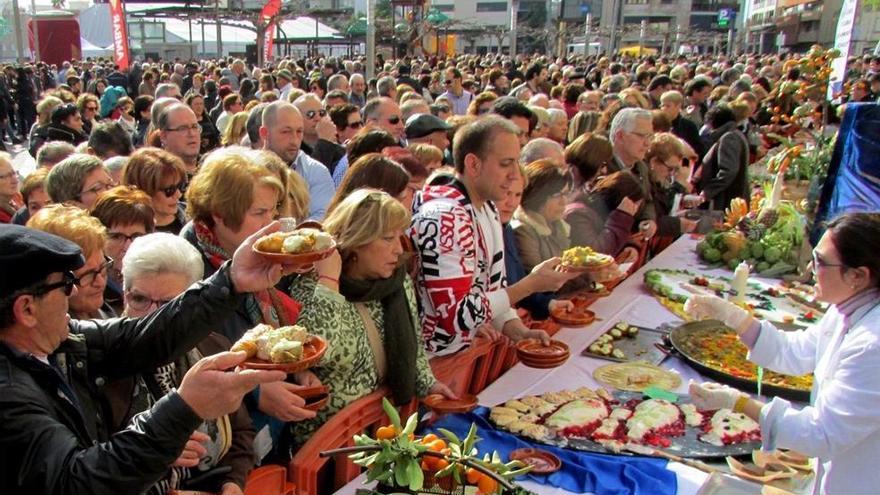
{"x":378,"y":348}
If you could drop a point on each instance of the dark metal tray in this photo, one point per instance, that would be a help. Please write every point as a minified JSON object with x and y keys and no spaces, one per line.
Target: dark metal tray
{"x":640,"y":348}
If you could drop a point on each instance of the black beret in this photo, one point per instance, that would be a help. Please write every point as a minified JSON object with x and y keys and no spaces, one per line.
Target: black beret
{"x":28,"y":256}
{"x":420,"y":125}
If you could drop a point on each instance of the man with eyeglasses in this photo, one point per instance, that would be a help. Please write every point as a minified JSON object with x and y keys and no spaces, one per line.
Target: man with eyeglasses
{"x":181,"y":134}
{"x":54,"y":431}
{"x":319,"y":132}
{"x":630,"y":133}
{"x":455,"y":93}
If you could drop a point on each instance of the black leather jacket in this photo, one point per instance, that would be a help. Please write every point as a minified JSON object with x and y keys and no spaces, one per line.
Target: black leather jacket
{"x":53,"y":433}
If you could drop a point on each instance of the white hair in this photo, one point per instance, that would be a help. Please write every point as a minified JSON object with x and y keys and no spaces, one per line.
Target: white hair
{"x":539,"y":148}
{"x":625,"y":120}
{"x":556,"y":115}
{"x":160,"y":253}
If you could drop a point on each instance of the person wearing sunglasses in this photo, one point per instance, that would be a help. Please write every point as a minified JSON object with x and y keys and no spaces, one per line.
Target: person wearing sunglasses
{"x":88,"y":107}
{"x":319,"y":132}
{"x":127,"y":214}
{"x":458,"y":97}
{"x":76,"y":225}
{"x":347,"y":119}
{"x":841,"y":350}
{"x":384,"y":113}
{"x":55,"y":431}
{"x":162,"y":176}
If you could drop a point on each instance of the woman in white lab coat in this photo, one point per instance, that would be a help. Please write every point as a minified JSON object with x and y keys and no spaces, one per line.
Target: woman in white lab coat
{"x":841,"y":426}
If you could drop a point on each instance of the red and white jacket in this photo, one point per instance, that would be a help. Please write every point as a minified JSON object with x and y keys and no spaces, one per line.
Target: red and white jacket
{"x":461,"y":276}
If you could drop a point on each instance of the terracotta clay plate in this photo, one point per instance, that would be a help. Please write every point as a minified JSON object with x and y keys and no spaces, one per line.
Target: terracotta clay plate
{"x":542,"y":462}
{"x":312,"y":353}
{"x":298,"y":259}
{"x":592,"y":267}
{"x":545,"y":364}
{"x":535,"y":350}
{"x":441,"y":405}
{"x":577,"y":317}
{"x":316,"y":397}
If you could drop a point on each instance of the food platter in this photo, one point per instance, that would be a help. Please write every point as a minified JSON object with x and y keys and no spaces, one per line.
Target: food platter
{"x":313,"y":351}
{"x":584,"y":259}
{"x":640,"y":347}
{"x":714,"y":350}
{"x":687,"y":445}
{"x":636,"y":376}
{"x":308,"y":244}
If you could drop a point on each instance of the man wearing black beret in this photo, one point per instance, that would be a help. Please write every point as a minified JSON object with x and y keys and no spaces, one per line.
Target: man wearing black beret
{"x":53,"y":432}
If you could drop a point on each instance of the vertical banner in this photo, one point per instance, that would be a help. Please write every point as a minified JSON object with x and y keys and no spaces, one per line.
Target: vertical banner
{"x":271,"y":9}
{"x":120,"y":34}
{"x":842,"y":39}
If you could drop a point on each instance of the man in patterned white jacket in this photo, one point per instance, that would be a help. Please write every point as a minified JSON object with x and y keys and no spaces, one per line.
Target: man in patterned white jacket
{"x":457,"y":234}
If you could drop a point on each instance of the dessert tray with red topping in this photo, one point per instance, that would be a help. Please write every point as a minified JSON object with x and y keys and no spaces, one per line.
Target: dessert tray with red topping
{"x":597,"y":421}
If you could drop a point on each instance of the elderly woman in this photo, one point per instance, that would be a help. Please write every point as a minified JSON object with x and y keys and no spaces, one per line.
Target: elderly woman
{"x":76,"y":225}
{"x":841,"y":425}
{"x":33,"y":195}
{"x":8,"y":189}
{"x":541,"y":233}
{"x":78,"y":180}
{"x":163,"y":177}
{"x":159,"y":267}
{"x":127,"y":214}
{"x":664,"y":158}
{"x":231,"y":197}
{"x":363,"y":302}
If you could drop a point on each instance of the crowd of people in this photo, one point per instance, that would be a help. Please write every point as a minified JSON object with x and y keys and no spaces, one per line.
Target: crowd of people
{"x":451,"y":186}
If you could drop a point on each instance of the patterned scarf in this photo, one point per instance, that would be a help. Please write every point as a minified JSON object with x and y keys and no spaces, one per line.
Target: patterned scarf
{"x":271,"y":306}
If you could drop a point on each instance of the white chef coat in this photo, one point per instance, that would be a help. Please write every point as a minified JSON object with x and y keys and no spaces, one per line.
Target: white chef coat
{"x":842,"y":425}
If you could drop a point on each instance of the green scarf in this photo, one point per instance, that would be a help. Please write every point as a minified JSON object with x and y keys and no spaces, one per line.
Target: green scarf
{"x":400,"y":336}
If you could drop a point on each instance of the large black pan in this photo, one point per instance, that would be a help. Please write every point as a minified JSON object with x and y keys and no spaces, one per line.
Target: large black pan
{"x":673,"y":345}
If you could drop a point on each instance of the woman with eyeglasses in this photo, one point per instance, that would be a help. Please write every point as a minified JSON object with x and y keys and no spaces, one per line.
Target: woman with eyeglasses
{"x":664,"y":158}
{"x":88,"y":106}
{"x":482,"y":104}
{"x":159,"y":267}
{"x":362,"y":301}
{"x":162,"y":176}
{"x":127,"y":214}
{"x":9,"y":194}
{"x":841,"y":425}
{"x":76,"y":225}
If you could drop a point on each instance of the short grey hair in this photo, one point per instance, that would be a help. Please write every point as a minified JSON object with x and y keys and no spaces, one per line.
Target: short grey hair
{"x":53,"y":152}
{"x":556,"y":115}
{"x":385,"y":86}
{"x":65,"y":180}
{"x":165,"y":114}
{"x":160,"y":253}
{"x":270,"y":113}
{"x":625,"y":120}
{"x":165,"y":90}
{"x":354,"y":77}
{"x":158,"y":106}
{"x":335,"y":82}
{"x":306,"y":97}
{"x":115,"y":164}
{"x":412,"y":107}
{"x":371,"y":109}
{"x":539,"y":148}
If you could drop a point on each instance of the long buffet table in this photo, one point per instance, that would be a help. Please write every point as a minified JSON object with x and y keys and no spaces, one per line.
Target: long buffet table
{"x":631,"y":302}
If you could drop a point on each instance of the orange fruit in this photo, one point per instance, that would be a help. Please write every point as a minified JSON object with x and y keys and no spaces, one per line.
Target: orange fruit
{"x":473,"y":476}
{"x":487,"y":485}
{"x":440,"y":464}
{"x":437,"y":445}
{"x":445,"y":451}
{"x":430,"y":437}
{"x":386,"y":433}
{"x":425,"y":465}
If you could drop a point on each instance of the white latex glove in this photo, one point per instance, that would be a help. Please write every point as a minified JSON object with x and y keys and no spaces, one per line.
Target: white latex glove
{"x":706,"y":307}
{"x":709,"y":396}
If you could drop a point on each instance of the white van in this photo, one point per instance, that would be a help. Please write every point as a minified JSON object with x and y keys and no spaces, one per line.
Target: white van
{"x":576,"y":48}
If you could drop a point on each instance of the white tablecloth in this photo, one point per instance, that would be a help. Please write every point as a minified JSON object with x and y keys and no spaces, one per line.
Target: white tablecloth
{"x":630,"y":301}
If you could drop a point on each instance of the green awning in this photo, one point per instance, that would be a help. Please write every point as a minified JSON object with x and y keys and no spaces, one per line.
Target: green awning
{"x":357,"y":28}
{"x":436,"y":17}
